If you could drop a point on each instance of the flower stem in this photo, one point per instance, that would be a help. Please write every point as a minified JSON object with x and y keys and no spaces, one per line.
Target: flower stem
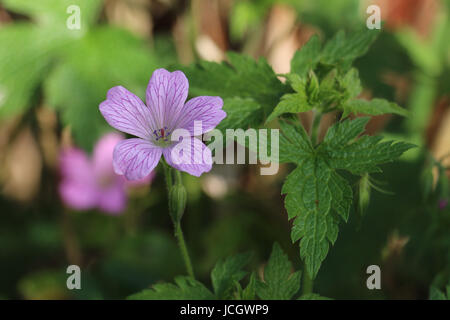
{"x":168,"y":175}
{"x":315,"y":127}
{"x":183,"y":249}
{"x":177,"y":202}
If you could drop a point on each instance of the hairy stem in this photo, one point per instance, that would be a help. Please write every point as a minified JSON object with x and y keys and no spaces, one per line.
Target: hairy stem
{"x":183,"y":249}
{"x":172,"y":175}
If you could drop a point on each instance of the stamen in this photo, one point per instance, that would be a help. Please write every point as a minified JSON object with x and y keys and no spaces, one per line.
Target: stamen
{"x":162,"y":134}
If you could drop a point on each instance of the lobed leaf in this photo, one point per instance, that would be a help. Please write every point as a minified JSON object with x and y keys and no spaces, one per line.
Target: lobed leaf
{"x":317,"y":197}
{"x":185,"y":288}
{"x":279,"y":281}
{"x":372,"y":107}
{"x":242,"y":78}
{"x":227,"y":272}
{"x":307,"y":57}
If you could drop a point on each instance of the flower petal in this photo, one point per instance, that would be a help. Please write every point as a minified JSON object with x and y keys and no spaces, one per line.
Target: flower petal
{"x":77,"y":187}
{"x":103,"y":154}
{"x":189,"y":155}
{"x":206,"y":109}
{"x":126,"y":112}
{"x":135,"y":158}
{"x":166,"y":94}
{"x":77,"y":195}
{"x":113,"y":200}
{"x":142,"y":182}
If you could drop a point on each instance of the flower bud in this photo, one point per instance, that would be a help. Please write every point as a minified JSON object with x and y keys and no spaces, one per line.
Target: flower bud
{"x":177,"y":202}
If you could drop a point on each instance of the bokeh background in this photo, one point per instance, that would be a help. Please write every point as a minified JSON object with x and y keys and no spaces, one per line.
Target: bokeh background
{"x":52,"y":80}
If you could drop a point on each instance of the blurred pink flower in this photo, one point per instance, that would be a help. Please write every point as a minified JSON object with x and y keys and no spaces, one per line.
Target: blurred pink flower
{"x":91,"y":182}
{"x":443,"y":204}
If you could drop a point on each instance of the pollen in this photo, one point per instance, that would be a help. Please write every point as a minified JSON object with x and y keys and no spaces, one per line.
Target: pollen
{"x":162,"y":134}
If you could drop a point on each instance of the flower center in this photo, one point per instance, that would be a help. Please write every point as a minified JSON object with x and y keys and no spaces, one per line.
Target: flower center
{"x":162,"y":136}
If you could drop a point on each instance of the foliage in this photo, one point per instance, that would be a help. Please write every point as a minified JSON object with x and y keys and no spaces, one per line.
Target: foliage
{"x":75,"y":68}
{"x":318,"y":197}
{"x":278,"y":282}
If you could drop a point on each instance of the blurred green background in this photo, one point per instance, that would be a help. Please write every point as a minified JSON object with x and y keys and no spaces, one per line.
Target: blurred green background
{"x":52,"y":80}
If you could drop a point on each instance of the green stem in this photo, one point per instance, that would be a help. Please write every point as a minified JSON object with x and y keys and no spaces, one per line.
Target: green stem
{"x":171,"y":175}
{"x":315,"y":127}
{"x":183,"y":249}
{"x":308,"y":283}
{"x":168,"y":175}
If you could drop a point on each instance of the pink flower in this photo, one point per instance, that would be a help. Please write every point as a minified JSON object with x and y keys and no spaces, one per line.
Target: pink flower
{"x":155,"y":122}
{"x":91,"y":183}
{"x":443,"y":204}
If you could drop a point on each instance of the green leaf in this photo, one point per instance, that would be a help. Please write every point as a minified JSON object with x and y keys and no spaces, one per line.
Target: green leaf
{"x":362,"y":155}
{"x":436,"y":294}
{"x":25,"y":56}
{"x":351,"y":83}
{"x":344,"y":132}
{"x":307,"y":57}
{"x":226,"y":273}
{"x":249,"y":293}
{"x":89,"y":67}
{"x":317,"y":197}
{"x":294,"y":135}
{"x":309,"y":199}
{"x":341,"y":50}
{"x":279,"y":281}
{"x":185,"y":288}
{"x":242,"y":77}
{"x":372,"y":107}
{"x":241,"y":113}
{"x":292,"y":102}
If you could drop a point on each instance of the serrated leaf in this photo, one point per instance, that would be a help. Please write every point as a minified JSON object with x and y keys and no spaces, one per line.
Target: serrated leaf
{"x":185,"y":288}
{"x":341,"y":50}
{"x":227,"y":272}
{"x":279,"y":281}
{"x":242,"y":77}
{"x":249,"y":293}
{"x":78,"y":85}
{"x":365,"y":154}
{"x":307,"y":57}
{"x":372,"y":107}
{"x":290,"y":103}
{"x":351,"y":83}
{"x":309,"y":198}
{"x":317,"y":197}
{"x":342,"y":133}
{"x":241,"y":113}
{"x":293,"y":135}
